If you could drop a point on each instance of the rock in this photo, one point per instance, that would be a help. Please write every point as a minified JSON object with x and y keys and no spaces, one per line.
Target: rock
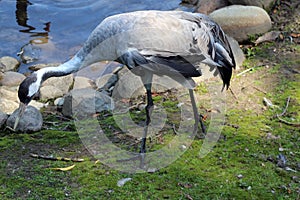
{"x":208,"y":6}
{"x":238,"y":53}
{"x":37,"y":105}
{"x":59,"y":101}
{"x":268,"y":37}
{"x":8,"y":63}
{"x":190,"y":2}
{"x":122,"y":181}
{"x":56,"y":87}
{"x":93,"y":71}
{"x":37,"y":49}
{"x":82,"y":82}
{"x":86,"y":102}
{"x":31,"y":120}
{"x":8,"y":106}
{"x":266,"y":4}
{"x":128,"y":85}
{"x":42,"y":65}
{"x":107,"y":81}
{"x":50,"y":92}
{"x":11,"y":78}
{"x":8,"y":100}
{"x":241,"y":21}
{"x":3,"y":118}
{"x":8,"y":93}
{"x":131,"y":86}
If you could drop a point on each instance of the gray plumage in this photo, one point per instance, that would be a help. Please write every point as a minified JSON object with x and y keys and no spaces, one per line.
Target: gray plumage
{"x":171,"y":43}
{"x":179,"y":40}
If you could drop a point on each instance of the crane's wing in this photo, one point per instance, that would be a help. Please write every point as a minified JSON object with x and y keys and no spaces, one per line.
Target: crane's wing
{"x":178,"y":40}
{"x":175,"y":39}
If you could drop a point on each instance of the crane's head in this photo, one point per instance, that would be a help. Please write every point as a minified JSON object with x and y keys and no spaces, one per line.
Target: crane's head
{"x":27,"y":90}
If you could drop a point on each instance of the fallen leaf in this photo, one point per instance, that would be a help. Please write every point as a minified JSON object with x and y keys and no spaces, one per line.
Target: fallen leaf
{"x":64,"y":168}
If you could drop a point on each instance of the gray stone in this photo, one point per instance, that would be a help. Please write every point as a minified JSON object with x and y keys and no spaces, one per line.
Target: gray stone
{"x":31,"y":120}
{"x":8,"y":93}
{"x":50,"y":92}
{"x":238,"y":53}
{"x":8,"y":99}
{"x":11,"y":78}
{"x":107,"y":81}
{"x":8,"y":106}
{"x":56,"y":87}
{"x":42,"y":51}
{"x":8,"y":63}
{"x":241,"y":21}
{"x":59,"y":101}
{"x":266,"y":4}
{"x":85,"y":102}
{"x":208,"y":6}
{"x":128,"y":85}
{"x":42,"y":65}
{"x":82,"y":82}
{"x":3,"y":118}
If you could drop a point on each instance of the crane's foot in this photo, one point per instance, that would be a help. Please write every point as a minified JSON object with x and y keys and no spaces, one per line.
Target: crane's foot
{"x":141,"y":157}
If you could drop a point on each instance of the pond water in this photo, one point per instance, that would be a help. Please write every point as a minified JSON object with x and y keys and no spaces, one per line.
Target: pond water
{"x":56,"y":29}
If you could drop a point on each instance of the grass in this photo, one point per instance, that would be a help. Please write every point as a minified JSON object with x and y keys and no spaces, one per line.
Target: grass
{"x":243,"y":164}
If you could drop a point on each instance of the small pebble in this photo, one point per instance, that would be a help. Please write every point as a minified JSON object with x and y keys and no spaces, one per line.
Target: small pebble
{"x":123,"y":181}
{"x":281,"y":149}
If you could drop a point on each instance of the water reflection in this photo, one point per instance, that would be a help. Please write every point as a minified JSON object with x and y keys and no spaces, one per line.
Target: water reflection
{"x":56,"y":29}
{"x":22,"y":20}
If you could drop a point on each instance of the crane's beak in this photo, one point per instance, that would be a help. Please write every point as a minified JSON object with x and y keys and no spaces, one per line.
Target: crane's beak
{"x":22,"y":108}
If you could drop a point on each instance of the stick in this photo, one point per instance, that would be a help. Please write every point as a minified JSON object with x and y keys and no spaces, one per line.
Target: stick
{"x":56,"y":158}
{"x":231,"y":91}
{"x":288,"y":123}
{"x":286,"y":106}
{"x":260,"y":90}
{"x":284,"y":111}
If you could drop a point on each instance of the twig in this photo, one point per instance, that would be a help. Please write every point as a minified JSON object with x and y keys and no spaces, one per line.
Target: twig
{"x":286,"y":106}
{"x":288,"y":123}
{"x":231,"y":91}
{"x":247,"y":70}
{"x":56,"y":158}
{"x":284,"y":111}
{"x":260,"y":90}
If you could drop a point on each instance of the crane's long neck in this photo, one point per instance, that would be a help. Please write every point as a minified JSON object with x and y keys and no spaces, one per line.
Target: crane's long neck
{"x":66,"y":68}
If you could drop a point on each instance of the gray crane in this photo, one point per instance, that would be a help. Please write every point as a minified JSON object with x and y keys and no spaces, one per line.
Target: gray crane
{"x":170,"y":43}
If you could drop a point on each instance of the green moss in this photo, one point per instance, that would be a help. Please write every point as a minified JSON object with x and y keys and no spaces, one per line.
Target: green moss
{"x":242,"y":165}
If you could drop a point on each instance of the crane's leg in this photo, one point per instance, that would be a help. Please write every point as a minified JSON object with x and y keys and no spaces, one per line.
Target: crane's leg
{"x":196,"y":115}
{"x":148,"y":109}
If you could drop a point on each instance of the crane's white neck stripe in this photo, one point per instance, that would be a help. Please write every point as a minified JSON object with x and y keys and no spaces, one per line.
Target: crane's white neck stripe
{"x":66,"y":68}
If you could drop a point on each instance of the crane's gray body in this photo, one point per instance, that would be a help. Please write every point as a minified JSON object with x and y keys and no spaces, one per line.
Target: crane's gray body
{"x":170,"y":43}
{"x":154,"y":39}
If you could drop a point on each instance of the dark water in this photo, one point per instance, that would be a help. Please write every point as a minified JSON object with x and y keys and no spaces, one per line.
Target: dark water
{"x":59,"y":27}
